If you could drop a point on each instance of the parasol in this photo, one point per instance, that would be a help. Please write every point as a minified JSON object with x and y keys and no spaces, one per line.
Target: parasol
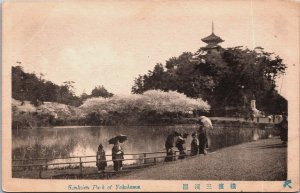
{"x":206,"y":122}
{"x":120,"y":138}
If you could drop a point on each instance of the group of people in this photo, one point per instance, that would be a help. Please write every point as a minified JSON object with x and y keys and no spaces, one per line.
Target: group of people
{"x":177,"y":140}
{"x":117,"y":157}
{"x":174,"y":140}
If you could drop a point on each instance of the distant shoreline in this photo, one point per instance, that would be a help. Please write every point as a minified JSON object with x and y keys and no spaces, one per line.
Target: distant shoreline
{"x":87,"y":126}
{"x":214,"y":119}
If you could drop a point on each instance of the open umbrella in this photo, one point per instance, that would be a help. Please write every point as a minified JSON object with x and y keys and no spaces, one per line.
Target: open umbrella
{"x":120,"y":138}
{"x":206,"y":122}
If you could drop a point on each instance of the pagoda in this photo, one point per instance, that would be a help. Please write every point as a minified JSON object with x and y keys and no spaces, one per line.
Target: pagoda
{"x":212,"y":41}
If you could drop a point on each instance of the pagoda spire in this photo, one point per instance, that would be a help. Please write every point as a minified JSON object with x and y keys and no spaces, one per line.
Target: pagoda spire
{"x":212,"y":40}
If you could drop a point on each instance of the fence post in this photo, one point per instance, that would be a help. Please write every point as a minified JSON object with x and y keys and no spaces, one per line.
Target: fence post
{"x":40,"y":171}
{"x":155,"y":161}
{"x":46,"y":162}
{"x":226,"y":137}
{"x":80,"y":166}
{"x":144,"y":159}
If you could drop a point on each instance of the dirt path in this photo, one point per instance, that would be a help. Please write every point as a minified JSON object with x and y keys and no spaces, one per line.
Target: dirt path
{"x":259,"y":160}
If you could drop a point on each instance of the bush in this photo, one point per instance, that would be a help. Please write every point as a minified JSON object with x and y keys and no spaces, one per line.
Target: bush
{"x":153,"y":105}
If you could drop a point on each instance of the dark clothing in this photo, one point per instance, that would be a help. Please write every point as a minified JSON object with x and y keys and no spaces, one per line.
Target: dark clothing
{"x":170,"y":143}
{"x":170,"y":155}
{"x":117,"y":153}
{"x":194,"y":146}
{"x":283,"y":126}
{"x":101,"y":160}
{"x":202,"y":140}
{"x":252,"y":117}
{"x":180,"y":145}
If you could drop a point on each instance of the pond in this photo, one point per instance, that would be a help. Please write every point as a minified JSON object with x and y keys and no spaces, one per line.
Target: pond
{"x":83,"y":141}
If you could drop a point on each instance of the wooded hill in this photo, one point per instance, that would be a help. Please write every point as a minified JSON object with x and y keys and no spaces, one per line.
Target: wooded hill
{"x":228,"y":79}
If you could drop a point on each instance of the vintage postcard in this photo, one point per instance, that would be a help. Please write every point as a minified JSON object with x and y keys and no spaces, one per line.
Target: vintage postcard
{"x":169,"y":95}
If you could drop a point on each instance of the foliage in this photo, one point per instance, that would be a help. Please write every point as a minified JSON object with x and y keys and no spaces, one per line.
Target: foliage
{"x":24,"y":114}
{"x":231,"y":77}
{"x":131,"y":109}
{"x":100,"y":91}
{"x":30,"y":87}
{"x":27,"y":86}
{"x":154,"y":102}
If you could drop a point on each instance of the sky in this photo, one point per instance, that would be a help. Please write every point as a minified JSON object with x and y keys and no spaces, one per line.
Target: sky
{"x":111,"y":42}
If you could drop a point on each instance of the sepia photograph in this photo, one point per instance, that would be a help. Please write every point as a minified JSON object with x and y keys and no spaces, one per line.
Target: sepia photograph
{"x":150,"y":95}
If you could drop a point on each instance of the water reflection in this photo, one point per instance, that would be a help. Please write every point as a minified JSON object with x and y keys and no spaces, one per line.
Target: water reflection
{"x":84,"y":141}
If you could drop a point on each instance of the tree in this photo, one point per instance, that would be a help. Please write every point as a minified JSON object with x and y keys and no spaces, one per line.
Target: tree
{"x":30,"y":87}
{"x":230,"y":77}
{"x":100,"y":91}
{"x":151,"y":104}
{"x":138,"y":87}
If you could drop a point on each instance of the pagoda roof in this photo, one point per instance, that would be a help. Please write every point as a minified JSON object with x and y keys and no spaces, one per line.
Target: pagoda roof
{"x":212,"y":38}
{"x":211,"y":46}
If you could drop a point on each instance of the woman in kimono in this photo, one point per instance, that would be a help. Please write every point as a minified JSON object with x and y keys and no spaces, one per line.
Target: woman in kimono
{"x":194,"y":145}
{"x":101,"y":159}
{"x":117,"y":153}
{"x":169,"y":145}
{"x":180,"y":144}
{"x":202,"y":136}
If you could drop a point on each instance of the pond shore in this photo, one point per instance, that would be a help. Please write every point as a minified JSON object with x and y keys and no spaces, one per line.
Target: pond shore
{"x":259,"y":160}
{"x":184,"y":121}
{"x":262,"y":160}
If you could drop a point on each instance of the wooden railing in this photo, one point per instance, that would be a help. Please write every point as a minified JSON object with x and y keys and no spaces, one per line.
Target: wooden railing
{"x":143,"y":158}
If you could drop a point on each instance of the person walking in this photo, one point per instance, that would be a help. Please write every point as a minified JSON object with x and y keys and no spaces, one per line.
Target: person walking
{"x":169,"y":145}
{"x":194,"y":145}
{"x":117,"y":156}
{"x":283,"y":126}
{"x":101,"y":159}
{"x":202,"y":136}
{"x":180,"y":144}
{"x":270,"y":118}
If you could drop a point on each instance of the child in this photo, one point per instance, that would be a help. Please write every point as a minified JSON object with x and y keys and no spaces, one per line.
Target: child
{"x":194,"y":145}
{"x":101,"y":159}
